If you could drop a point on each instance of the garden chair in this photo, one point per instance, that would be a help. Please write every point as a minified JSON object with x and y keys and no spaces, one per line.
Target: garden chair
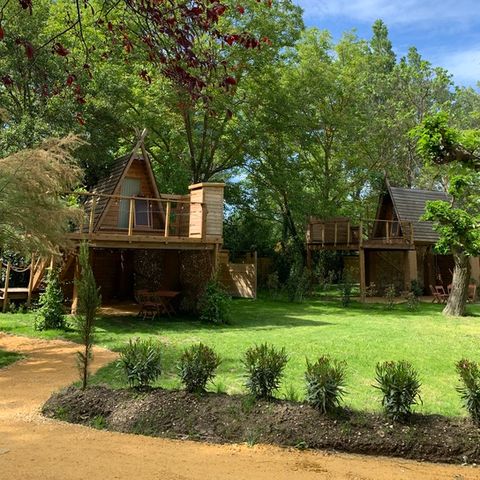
{"x":438,"y":293}
{"x":148,"y":307}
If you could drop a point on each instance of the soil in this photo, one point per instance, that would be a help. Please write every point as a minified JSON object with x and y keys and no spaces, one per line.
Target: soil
{"x":221,"y":418}
{"x":33,"y":447}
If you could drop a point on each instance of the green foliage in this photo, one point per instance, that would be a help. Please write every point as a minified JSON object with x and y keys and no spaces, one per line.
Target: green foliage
{"x":273,"y":284}
{"x":469,"y":373}
{"x":215,"y":304}
{"x":413,"y":301}
{"x":298,"y":283}
{"x":346,"y":291}
{"x":415,"y":288}
{"x":140,"y":360}
{"x":89,"y":301}
{"x":400,"y":386}
{"x":51,"y":313}
{"x":390,"y":294}
{"x":325,"y":383}
{"x":197,"y":366}
{"x":264,"y":366}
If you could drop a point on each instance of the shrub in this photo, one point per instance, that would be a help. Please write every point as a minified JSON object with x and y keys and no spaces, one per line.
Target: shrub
{"x":412,"y":301}
{"x":298,"y":283}
{"x":400,"y":386}
{"x":140,"y":360}
{"x":325,"y":381}
{"x":390,"y":294}
{"x":197,"y":366}
{"x":215,"y":303}
{"x":273,"y":284}
{"x":265,"y":365}
{"x":416,"y":288}
{"x":469,"y":373}
{"x":51,"y":314}
{"x":346,"y":291}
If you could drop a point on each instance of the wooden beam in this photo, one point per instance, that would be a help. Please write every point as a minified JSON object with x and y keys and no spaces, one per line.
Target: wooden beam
{"x":7,"y":284}
{"x":167,"y":218}
{"x":92,"y":215}
{"x":336,"y":233}
{"x":131,"y":213}
{"x":76,"y":274}
{"x":348,"y":232}
{"x":363,"y":283}
{"x":30,"y":281}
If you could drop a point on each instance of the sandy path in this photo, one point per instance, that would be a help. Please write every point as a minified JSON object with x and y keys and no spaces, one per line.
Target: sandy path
{"x":32,"y":447}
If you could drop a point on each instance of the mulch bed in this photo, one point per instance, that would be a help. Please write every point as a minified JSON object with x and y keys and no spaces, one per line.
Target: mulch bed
{"x":223,"y":418}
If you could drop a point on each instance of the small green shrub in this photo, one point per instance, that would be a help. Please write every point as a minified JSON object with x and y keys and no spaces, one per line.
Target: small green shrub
{"x":325,"y":382}
{"x":197,"y":367}
{"x":400,"y":386}
{"x":298,"y":283}
{"x":412,"y":301}
{"x":51,"y":314}
{"x":416,"y":288}
{"x":390,"y":294}
{"x":291,"y":394}
{"x":215,"y":304}
{"x":265,"y":365}
{"x":469,"y":373}
{"x":141,"y":362}
{"x":346,"y":293}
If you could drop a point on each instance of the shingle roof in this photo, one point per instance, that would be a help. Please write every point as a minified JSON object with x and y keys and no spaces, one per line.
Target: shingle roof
{"x":410,"y":205}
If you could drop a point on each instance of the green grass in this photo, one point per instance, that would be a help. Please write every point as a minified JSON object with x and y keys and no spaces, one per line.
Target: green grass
{"x":6,"y":358}
{"x":360,"y":334}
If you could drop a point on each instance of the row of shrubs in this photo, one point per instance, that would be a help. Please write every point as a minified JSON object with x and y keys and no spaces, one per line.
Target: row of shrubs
{"x":325,"y":378}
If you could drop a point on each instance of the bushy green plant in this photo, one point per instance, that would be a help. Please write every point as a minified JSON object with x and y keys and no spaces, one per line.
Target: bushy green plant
{"x":400,"y":386}
{"x":416,"y":288}
{"x":215,"y":304}
{"x":390,"y":293}
{"x":197,"y":367}
{"x":346,"y":291}
{"x":298,"y":283}
{"x":325,"y":382}
{"x":140,"y":360}
{"x":412,"y":301}
{"x":469,"y":373}
{"x":51,"y":314}
{"x":264,"y":366}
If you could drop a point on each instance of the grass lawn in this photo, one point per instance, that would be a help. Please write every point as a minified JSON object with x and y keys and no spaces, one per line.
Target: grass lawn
{"x":6,"y":358}
{"x":361,"y":334}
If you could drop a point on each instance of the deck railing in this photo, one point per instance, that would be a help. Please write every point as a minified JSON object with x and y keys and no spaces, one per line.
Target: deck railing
{"x":170,"y":216}
{"x":341,"y":232}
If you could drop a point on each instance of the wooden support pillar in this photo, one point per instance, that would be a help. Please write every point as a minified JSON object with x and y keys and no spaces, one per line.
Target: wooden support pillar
{"x":363,"y":282}
{"x":76,"y":274}
{"x":30,"y":281}
{"x":131,"y":213}
{"x":411,"y":269}
{"x":167,"y":218}
{"x":475,"y":269}
{"x":7,"y":283}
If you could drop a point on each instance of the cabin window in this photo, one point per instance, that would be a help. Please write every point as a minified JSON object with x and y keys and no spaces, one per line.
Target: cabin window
{"x":142,"y":213}
{"x":131,"y":187}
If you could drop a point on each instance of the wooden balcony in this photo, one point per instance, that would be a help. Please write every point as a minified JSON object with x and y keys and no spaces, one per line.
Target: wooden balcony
{"x":171,"y":221}
{"x":341,"y":234}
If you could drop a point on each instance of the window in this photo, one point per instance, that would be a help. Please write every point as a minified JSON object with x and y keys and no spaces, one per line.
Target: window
{"x":130,"y":188}
{"x":142,"y":213}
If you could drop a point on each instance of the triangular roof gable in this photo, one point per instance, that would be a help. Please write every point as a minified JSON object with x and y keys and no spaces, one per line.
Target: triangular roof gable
{"x":409,"y":205}
{"x":111,"y":182}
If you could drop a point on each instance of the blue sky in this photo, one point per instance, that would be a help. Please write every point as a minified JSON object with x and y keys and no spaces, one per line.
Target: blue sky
{"x":446,"y":32}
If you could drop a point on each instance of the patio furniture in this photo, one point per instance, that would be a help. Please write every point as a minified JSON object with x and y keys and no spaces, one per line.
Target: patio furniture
{"x":164,"y":299}
{"x":472,"y":293}
{"x":439,"y":294}
{"x":149,"y":307}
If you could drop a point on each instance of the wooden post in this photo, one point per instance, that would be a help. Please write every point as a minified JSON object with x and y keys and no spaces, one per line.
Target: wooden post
{"x":92,"y":215}
{"x":204,"y":221}
{"x":76,"y":274}
{"x":336,"y":232}
{"x":130,"y":217}
{"x":323,"y":234}
{"x":360,"y":240}
{"x":411,"y":269}
{"x":167,"y":218}
{"x":7,"y":283}
{"x":348,"y":233}
{"x":388,"y":231}
{"x":363,"y":286}
{"x":30,"y":281}
{"x":475,"y":269}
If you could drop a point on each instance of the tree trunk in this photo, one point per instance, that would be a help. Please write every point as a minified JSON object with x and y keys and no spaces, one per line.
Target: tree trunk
{"x":457,"y":300}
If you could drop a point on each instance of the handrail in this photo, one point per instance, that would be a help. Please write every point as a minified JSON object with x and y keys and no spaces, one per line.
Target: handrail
{"x":123,"y":197}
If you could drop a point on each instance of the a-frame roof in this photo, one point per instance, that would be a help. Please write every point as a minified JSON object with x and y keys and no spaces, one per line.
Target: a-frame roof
{"x":108,"y":184}
{"x":410,"y":205}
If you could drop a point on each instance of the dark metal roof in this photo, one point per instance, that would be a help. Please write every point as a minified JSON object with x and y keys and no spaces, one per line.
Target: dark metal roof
{"x":410,"y":205}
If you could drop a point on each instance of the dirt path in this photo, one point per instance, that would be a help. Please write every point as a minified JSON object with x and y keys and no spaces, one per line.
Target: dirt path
{"x":32,"y":447}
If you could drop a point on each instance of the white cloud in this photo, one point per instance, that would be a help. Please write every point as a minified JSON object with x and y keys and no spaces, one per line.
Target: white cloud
{"x":393,"y":12}
{"x":464,"y":65}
